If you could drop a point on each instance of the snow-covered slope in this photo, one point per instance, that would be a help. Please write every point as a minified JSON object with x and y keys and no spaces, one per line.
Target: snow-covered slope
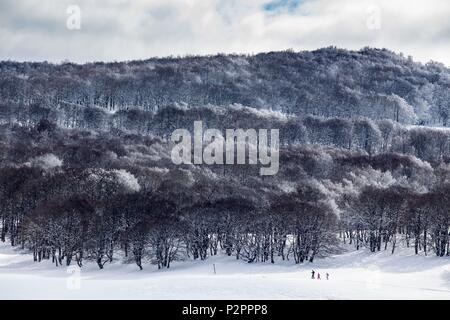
{"x":353,"y":275}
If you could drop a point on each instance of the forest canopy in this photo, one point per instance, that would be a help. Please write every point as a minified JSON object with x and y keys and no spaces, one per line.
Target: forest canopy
{"x":86,"y":173}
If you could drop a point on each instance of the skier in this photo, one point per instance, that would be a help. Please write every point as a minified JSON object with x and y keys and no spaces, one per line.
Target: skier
{"x":328,"y":275}
{"x":312,"y":274}
{"x":318,"y":276}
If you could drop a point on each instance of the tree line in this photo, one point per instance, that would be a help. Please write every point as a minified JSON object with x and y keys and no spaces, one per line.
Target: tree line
{"x":358,"y":133}
{"x":329,"y":82}
{"x":71,"y":196}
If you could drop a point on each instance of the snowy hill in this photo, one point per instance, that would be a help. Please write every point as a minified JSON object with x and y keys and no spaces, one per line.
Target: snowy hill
{"x":353,"y":275}
{"x":329,"y":82}
{"x":87,"y":176}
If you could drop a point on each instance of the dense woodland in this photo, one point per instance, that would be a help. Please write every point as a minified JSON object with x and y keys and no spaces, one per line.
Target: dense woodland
{"x":86,"y":173}
{"x":375,"y":83}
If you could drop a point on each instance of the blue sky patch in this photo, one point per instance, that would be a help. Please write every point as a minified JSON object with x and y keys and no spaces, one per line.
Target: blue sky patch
{"x":279,"y":5}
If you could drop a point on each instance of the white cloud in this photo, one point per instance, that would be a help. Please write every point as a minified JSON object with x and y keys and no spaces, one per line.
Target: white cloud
{"x":138,"y":29}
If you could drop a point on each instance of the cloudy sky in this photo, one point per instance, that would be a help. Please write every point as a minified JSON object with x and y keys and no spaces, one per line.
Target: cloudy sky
{"x":88,"y":30}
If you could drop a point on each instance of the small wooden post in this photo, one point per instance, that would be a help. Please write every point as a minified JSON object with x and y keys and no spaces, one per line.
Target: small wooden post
{"x":214,"y":266}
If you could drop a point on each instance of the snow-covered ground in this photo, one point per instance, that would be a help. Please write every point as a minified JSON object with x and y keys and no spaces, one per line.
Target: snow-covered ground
{"x":353,"y":275}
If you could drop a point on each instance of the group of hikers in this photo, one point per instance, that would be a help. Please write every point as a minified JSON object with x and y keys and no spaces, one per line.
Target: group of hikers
{"x":318,"y":275}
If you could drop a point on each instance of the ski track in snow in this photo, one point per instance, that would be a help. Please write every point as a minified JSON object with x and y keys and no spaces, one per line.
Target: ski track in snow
{"x":353,"y":275}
